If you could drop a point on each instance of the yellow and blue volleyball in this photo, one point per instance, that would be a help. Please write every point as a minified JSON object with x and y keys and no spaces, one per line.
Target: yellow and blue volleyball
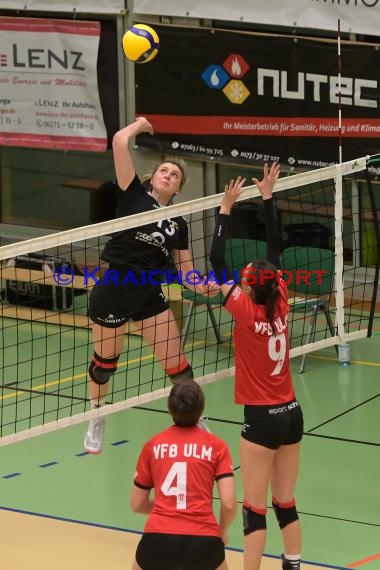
{"x":140,"y":43}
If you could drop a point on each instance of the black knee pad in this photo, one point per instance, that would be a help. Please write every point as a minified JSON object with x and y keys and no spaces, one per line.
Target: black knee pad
{"x":253,"y":519}
{"x":101,"y":369}
{"x":286,"y":513}
{"x":185,"y":374}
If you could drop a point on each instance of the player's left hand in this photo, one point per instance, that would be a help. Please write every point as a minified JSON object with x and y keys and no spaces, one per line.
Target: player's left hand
{"x":208,"y":287}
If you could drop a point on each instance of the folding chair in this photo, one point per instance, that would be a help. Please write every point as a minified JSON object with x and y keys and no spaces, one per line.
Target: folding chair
{"x":317,"y":290}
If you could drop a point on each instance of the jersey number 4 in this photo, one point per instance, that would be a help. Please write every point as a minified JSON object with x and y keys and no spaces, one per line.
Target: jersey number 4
{"x":277,"y":351}
{"x":175,"y":483}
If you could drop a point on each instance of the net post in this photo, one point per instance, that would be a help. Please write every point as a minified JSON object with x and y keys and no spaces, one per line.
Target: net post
{"x":339,"y":266}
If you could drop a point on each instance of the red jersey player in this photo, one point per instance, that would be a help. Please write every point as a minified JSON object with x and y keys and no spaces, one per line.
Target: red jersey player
{"x":273,"y":422}
{"x":181,"y":465}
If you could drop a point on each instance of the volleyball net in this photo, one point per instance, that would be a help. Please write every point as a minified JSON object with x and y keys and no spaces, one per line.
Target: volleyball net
{"x":330,"y":255}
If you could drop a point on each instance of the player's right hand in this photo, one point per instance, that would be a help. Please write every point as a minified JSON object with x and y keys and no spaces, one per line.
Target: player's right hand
{"x":232,"y":192}
{"x":144,"y":125}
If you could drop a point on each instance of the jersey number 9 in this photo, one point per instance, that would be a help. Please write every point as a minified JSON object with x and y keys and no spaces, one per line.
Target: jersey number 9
{"x":277,"y":352}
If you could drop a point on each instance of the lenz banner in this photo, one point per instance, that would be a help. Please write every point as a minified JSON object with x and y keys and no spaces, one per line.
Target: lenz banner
{"x":245,"y":97}
{"x":48,"y":77}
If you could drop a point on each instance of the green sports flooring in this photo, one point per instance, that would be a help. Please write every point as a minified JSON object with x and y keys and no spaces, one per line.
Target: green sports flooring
{"x":338,"y":493}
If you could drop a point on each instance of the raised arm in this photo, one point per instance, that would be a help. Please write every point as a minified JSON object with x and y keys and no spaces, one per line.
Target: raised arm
{"x":124,"y":168}
{"x":266,"y":186}
{"x":222,"y":272}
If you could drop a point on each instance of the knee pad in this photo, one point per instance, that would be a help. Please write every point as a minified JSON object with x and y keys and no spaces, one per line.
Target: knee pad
{"x":286,"y":513}
{"x":181,"y":372}
{"x":101,"y":369}
{"x":253,"y":518}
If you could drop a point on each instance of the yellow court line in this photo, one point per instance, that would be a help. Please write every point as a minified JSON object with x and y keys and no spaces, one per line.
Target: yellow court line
{"x":70,"y":378}
{"x":332,"y":358}
{"x":150,"y":356}
{"x":81,"y":375}
{"x":363,"y":362}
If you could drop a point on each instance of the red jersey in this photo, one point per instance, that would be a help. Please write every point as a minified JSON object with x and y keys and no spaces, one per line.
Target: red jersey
{"x":262,"y":373}
{"x":182,"y":465}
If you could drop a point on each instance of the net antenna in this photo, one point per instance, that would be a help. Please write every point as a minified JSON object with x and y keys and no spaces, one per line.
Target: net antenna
{"x":339,"y":62}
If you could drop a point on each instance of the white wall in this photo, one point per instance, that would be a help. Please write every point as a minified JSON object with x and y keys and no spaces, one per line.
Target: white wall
{"x":78,"y":6}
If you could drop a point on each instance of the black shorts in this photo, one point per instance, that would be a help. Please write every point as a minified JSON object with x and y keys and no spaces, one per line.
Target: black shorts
{"x":272,"y":426}
{"x":179,"y":552}
{"x":112,"y":305}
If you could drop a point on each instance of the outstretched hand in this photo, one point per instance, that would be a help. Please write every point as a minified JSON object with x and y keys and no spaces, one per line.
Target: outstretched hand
{"x":266,"y":185}
{"x":232,"y":191}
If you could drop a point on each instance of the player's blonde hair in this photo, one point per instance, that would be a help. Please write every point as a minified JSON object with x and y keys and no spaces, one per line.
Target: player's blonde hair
{"x":179,"y":162}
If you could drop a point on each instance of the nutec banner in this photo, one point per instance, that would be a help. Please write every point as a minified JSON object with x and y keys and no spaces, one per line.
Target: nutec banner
{"x":48,"y":84}
{"x":246,"y":96}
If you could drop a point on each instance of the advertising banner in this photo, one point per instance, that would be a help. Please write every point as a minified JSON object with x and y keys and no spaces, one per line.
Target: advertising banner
{"x":357,"y":16}
{"x":49,"y":96}
{"x":254,"y":97}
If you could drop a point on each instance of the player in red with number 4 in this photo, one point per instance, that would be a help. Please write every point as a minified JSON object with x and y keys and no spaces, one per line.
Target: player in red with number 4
{"x":273,"y":422}
{"x":181,"y":464}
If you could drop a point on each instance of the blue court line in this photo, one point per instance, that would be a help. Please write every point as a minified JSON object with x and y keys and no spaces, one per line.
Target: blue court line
{"x":52,"y":463}
{"x":11,"y":475}
{"x":120,"y":529}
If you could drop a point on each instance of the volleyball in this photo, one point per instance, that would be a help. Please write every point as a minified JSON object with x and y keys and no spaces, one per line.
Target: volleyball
{"x":140,"y":43}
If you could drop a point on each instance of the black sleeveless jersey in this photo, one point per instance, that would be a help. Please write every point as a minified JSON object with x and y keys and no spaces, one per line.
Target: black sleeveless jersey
{"x":146,"y":247}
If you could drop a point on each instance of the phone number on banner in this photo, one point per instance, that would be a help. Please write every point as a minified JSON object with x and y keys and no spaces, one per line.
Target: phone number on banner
{"x":48,"y":124}
{"x":253,"y":155}
{"x":196,"y":148}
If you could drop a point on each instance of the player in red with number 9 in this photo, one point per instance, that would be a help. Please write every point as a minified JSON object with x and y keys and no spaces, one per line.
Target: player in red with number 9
{"x":181,"y":464}
{"x":273,"y":422}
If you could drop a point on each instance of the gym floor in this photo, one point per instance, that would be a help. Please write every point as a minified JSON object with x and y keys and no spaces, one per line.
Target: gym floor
{"x":62,"y":508}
